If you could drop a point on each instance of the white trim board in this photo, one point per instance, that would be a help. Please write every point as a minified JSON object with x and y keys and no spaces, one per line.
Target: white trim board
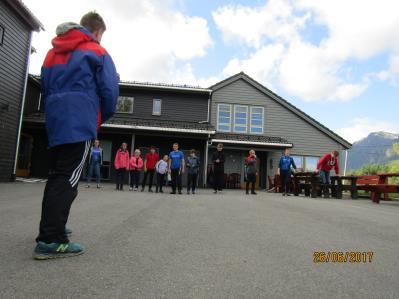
{"x":284,"y":145}
{"x":164,"y":129}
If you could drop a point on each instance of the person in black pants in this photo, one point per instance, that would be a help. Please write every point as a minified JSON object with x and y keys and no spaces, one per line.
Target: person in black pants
{"x":218,"y":159}
{"x":176,"y":168}
{"x":251,"y":172}
{"x":151,"y":160}
{"x":193,"y":165}
{"x":121,"y":164}
{"x":162,"y":169}
{"x":284,"y":169}
{"x":80,"y":94}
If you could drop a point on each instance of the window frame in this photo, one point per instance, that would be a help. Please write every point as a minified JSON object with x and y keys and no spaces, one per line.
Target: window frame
{"x":218,"y":120}
{"x":126,"y":112}
{"x":246,"y":119}
{"x":160,"y":107}
{"x":263,"y":120}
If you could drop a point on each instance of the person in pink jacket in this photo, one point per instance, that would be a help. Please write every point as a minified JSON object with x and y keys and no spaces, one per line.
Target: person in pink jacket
{"x":121,"y":164}
{"x":135,"y":168}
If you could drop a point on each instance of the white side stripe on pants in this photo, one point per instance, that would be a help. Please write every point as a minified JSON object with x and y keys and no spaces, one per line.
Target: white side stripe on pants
{"x":78,"y":170}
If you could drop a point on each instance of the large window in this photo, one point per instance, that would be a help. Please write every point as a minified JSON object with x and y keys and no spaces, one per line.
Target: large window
{"x":240,"y":119}
{"x":306,"y":163}
{"x":156,"y":106}
{"x":224,"y":118}
{"x":298,"y":160}
{"x":311,"y":163}
{"x":256,"y":126}
{"x":125,"y":105}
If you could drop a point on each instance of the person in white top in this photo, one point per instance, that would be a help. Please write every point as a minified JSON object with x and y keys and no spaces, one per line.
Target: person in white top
{"x":162,"y":169}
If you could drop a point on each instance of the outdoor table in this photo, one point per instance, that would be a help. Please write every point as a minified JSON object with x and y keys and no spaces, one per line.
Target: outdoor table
{"x":337,"y":186}
{"x":309,"y":181}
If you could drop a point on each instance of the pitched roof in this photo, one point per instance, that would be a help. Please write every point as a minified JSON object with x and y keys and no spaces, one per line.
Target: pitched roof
{"x":282,"y":102}
{"x":251,"y":139}
{"x":23,"y":11}
{"x":161,"y":125}
{"x":144,"y":124}
{"x":178,"y":87}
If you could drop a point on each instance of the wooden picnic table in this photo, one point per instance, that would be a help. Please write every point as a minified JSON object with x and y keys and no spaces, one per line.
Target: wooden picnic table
{"x":377,"y":184}
{"x":307,"y":181}
{"x":338,"y":186}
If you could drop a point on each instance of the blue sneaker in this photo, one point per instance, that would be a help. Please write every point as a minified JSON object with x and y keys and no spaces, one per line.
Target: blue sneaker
{"x":44,"y":251}
{"x":68,"y":231}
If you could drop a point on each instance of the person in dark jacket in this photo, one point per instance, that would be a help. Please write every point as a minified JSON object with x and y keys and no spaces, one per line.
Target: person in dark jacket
{"x":95,"y":162}
{"x":193,"y":166}
{"x":80,"y":89}
{"x":218,"y":159}
{"x":251,"y":172}
{"x":284,"y":170}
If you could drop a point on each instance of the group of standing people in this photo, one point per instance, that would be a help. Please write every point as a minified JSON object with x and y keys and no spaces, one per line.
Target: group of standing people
{"x":287,"y":168}
{"x":173,"y":165}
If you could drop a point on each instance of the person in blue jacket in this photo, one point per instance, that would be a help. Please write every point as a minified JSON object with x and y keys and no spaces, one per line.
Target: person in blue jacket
{"x":284,"y":170}
{"x":80,"y":89}
{"x":95,"y":163}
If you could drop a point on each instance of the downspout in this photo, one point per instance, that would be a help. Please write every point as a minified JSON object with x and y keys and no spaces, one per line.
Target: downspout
{"x":22,"y":108}
{"x":207,"y":141}
{"x":209,"y":107}
{"x":346,"y":162}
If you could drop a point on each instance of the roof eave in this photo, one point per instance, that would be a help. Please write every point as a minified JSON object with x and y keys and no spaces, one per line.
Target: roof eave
{"x":26,"y":15}
{"x":165,"y":87}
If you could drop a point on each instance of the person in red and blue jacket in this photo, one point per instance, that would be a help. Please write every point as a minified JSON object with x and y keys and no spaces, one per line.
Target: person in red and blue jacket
{"x":80,"y":89}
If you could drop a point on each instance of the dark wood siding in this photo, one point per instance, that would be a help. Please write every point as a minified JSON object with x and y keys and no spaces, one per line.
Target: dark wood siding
{"x":190,"y":107}
{"x":13,"y":56}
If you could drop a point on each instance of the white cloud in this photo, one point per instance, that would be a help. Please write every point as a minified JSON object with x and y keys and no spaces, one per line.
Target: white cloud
{"x":250,"y":24}
{"x":360,"y":128}
{"x":148,"y":40}
{"x":313,"y":72}
{"x":263,"y":64}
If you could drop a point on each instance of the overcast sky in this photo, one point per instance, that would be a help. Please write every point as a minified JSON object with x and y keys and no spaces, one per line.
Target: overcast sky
{"x":336,"y":60}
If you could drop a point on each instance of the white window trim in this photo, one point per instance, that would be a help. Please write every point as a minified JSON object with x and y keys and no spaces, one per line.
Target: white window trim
{"x":129,"y":112}
{"x":217,"y":116}
{"x":153,"y":106}
{"x":250,"y":120}
{"x":234,"y":121}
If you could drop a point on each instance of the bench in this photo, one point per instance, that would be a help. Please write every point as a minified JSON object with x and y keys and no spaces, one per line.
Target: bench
{"x":377,"y":185}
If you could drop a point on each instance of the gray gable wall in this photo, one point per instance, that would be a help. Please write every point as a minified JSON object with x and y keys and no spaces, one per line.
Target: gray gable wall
{"x":278,"y":120}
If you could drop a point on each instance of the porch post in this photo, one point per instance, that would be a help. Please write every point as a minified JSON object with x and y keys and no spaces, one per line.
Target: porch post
{"x":132,"y":150}
{"x":205,"y":176}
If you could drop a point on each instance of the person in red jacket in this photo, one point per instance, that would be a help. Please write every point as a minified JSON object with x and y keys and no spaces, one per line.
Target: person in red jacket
{"x":121,"y":164}
{"x":326,"y":164}
{"x":136,"y":166}
{"x":151,"y":160}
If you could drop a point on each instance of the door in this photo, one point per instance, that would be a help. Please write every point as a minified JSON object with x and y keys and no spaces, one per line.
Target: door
{"x":24,"y":155}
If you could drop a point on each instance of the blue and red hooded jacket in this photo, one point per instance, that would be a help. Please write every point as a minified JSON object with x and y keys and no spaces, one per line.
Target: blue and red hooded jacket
{"x":79,"y":86}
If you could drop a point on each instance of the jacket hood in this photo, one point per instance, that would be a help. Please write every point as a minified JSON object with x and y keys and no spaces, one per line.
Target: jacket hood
{"x":70,"y":36}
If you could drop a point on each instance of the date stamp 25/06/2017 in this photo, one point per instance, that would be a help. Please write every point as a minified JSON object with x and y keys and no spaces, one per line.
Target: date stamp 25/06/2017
{"x":343,"y":257}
